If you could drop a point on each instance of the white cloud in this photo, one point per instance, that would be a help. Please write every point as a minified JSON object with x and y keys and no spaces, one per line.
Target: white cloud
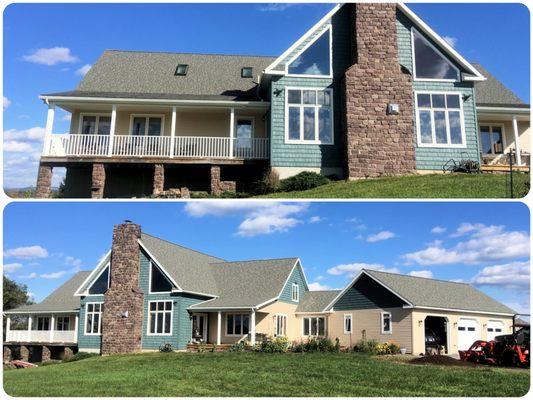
{"x":74,"y":262}
{"x":83,"y":70}
{"x":314,"y":219}
{"x":260,"y":218}
{"x":54,"y":275}
{"x":12,"y":267}
{"x":383,"y":235}
{"x":452,"y":41}
{"x":51,"y":56}
{"x":319,"y":278}
{"x":318,"y":286}
{"x":485,"y":244}
{"x":6,"y":102}
{"x":512,"y":275}
{"x":274,"y":7}
{"x":28,"y":252}
{"x":422,"y":274}
{"x":13,"y":146}
{"x":438,"y":230}
{"x":33,"y":275}
{"x":351,"y":270}
{"x":35,"y":134}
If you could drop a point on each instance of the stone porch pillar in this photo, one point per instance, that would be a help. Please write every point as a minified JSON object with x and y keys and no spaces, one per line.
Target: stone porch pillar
{"x":24,"y":353}
{"x":44,"y":182}
{"x":7,"y":354}
{"x":159,"y":179}
{"x":68,"y":353}
{"x":46,"y":354}
{"x":98,"y":181}
{"x":219,"y":186}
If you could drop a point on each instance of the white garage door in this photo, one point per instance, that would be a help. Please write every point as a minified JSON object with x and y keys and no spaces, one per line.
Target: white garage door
{"x":494,"y":328}
{"x":467,"y":333}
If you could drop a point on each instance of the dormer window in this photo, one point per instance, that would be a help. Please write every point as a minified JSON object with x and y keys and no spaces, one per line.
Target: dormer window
{"x":181,"y":70}
{"x":247,"y":72}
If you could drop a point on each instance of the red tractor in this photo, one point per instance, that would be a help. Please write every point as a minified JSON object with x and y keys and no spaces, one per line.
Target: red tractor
{"x":506,"y":350}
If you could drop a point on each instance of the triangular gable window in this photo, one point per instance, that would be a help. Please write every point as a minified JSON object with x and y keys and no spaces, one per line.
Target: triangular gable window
{"x":101,"y":284}
{"x":315,"y":60}
{"x":159,"y":282}
{"x":429,"y":63}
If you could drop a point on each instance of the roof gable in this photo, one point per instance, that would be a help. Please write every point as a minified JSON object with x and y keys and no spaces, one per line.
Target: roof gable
{"x":492,"y":92}
{"x":314,"y":301}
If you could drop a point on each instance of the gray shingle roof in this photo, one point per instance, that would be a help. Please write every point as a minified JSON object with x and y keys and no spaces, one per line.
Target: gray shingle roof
{"x":492,"y":92}
{"x":137,"y":73}
{"x":248,"y":283}
{"x":316,"y":300}
{"x":61,"y":299}
{"x":424,"y":292}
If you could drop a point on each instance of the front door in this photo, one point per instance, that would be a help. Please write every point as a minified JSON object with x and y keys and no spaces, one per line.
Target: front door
{"x":199,"y":328}
{"x":244,"y":134}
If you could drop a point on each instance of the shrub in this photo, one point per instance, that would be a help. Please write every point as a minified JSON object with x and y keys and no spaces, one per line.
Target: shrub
{"x":276,"y":345}
{"x":237,"y":347}
{"x":165,"y":348}
{"x":318,"y":344}
{"x":269,"y":183}
{"x":303,"y":181}
{"x":374,"y":347}
{"x":80,"y":356}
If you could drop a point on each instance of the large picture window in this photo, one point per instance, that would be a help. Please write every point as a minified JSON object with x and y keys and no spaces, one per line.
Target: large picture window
{"x":237,"y":324}
{"x":429,"y":63}
{"x":439,"y":120}
{"x":158,"y":281}
{"x":315,"y":60}
{"x":491,"y":139}
{"x":93,"y":318}
{"x":101,"y":284}
{"x":314,"y":326}
{"x":160,"y":318}
{"x":309,"y":116}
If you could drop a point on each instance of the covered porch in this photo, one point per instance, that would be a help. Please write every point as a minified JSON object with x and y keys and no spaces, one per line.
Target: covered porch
{"x":45,"y":328}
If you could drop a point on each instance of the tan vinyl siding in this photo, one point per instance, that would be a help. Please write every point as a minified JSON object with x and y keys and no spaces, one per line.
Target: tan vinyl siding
{"x":524,"y":137}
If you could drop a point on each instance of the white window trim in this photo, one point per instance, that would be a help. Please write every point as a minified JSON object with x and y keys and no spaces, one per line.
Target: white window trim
{"x":346,"y":317}
{"x":446,"y":110}
{"x":237,"y":334}
{"x":276,"y":333}
{"x":96,"y":123}
{"x":383,"y":331}
{"x":108,"y":265}
{"x":302,"y":106}
{"x":63,"y":317}
{"x":297,"y":287}
{"x":146,"y":116}
{"x":310,"y":333}
{"x":160,"y":312}
{"x":151,"y":265}
{"x":99,"y":319}
{"x":319,"y":35}
{"x":413,"y":29}
{"x":490,"y":125}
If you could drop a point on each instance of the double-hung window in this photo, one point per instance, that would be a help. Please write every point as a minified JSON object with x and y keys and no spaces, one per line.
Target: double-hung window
{"x":439,"y":120}
{"x":386,"y":322}
{"x":314,"y":326}
{"x":147,"y":125}
{"x":237,"y":324}
{"x":347,"y":323}
{"x":309,"y":116}
{"x":93,"y":318}
{"x":295,"y":292}
{"x":160,"y":319}
{"x":43,"y":323}
{"x":281,"y":325}
{"x":95,"y":124}
{"x":63,"y":323}
{"x":491,"y":139}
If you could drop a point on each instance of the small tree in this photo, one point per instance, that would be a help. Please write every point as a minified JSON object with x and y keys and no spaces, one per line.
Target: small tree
{"x":15,"y":295}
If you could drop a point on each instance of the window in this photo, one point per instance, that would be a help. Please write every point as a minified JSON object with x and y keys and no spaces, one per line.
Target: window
{"x":429,"y":63}
{"x":439,"y":120}
{"x":314,"y":326}
{"x":315,"y":60}
{"x":237,"y":324}
{"x":295,"y":292}
{"x":43,"y":323}
{"x":181,"y":70}
{"x":158,"y":282}
{"x":93,"y":318}
{"x":244,"y":133}
{"x":491,"y":139}
{"x":386,"y":322}
{"x":63,"y":323}
{"x":309,"y":116}
{"x":160,"y":318}
{"x":95,"y":124}
{"x":101,"y":284}
{"x":461,"y":328}
{"x":247,"y":72}
{"x":347,"y":323}
{"x":281,"y":325}
{"x":146,"y":125}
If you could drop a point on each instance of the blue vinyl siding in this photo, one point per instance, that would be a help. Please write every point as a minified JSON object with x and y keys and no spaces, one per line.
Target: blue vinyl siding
{"x":429,"y":158}
{"x":297,"y":277}
{"x":88,"y":341}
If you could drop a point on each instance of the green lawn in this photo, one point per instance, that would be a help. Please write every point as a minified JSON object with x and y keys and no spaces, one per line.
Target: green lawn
{"x":253,"y":374}
{"x":419,"y":186}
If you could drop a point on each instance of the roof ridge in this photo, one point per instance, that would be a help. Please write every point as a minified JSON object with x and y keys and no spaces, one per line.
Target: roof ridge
{"x":183,"y":247}
{"x":187,"y":53}
{"x":258,"y":259}
{"x":416,"y":277}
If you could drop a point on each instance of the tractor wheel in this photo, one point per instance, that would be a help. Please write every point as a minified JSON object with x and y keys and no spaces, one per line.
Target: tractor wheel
{"x":510,"y":359}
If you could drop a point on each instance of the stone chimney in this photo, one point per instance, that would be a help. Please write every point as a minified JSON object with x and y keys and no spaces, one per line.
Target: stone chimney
{"x":122,"y":318}
{"x":378,"y":142}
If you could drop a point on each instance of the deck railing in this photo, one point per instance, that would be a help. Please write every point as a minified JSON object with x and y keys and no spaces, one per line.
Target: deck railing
{"x":73,"y":145}
{"x":25,"y":336}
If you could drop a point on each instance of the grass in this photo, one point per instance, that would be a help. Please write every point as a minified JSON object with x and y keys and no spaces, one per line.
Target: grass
{"x":418,"y":186}
{"x":259,"y":375}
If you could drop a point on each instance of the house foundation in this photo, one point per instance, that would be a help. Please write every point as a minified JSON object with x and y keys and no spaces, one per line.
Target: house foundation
{"x":98,"y":181}
{"x":46,"y":354}
{"x":159,"y":179}
{"x":44,"y":182}
{"x":219,"y":186}
{"x":24,"y":353}
{"x":8,"y":354}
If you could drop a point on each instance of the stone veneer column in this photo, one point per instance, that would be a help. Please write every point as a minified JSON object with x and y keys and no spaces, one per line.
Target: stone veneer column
{"x":159,"y":179}
{"x":377,"y":143}
{"x":67,"y":353}
{"x":46,"y":354}
{"x":24,"y":353}
{"x":98,"y":181}
{"x":123,"y":302}
{"x":44,"y":181}
{"x":219,"y":186}
{"x":7,"y":354}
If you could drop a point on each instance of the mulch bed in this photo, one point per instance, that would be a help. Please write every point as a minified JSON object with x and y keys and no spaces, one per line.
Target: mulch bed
{"x":442,"y":360}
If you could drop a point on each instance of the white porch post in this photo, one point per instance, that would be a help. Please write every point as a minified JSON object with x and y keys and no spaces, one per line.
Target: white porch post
{"x":8,"y":327}
{"x":52,"y":324}
{"x":112,"y":129}
{"x":231,"y":131}
{"x":173,"y":132}
{"x":75,"y":339}
{"x":48,"y":129}
{"x":252,"y":328}
{"x":29,"y":327}
{"x":516,"y":141}
{"x":219,"y":327}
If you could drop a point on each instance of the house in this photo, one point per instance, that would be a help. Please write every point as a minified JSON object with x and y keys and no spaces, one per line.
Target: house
{"x":369,"y":90}
{"x":147,"y":292}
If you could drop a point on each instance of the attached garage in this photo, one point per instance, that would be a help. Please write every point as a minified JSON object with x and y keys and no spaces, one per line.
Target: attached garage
{"x":467,"y":333}
{"x":494,"y":328}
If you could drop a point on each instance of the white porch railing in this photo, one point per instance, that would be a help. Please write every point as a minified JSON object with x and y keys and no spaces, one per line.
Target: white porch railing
{"x":73,"y":145}
{"x":25,"y":336}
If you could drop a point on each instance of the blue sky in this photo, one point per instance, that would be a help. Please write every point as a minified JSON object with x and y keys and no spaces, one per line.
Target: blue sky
{"x":486,"y":244}
{"x":497,"y":35}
